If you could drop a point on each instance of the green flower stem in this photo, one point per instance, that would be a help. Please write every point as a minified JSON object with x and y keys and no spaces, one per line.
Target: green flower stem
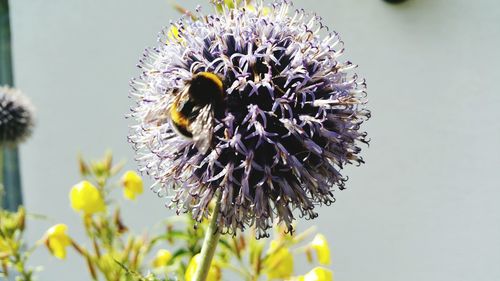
{"x":209,"y":243}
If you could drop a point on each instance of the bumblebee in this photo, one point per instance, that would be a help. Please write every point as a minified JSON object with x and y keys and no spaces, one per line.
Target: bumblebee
{"x":193,"y":110}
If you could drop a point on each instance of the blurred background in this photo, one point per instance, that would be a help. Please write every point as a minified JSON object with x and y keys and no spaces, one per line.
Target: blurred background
{"x":424,"y":207}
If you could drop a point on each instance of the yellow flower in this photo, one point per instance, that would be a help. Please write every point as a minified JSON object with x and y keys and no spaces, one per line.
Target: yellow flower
{"x":132,"y":184}
{"x":279,"y":263}
{"x":162,"y":258}
{"x":57,"y":240}
{"x":213,"y":273}
{"x":85,"y":197}
{"x":320,"y":244}
{"x":317,"y":274}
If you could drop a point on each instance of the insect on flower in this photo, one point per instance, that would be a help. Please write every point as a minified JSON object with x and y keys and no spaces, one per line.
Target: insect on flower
{"x":192,"y":112}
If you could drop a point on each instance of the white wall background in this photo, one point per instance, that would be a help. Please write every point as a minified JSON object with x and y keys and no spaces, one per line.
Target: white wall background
{"x":424,"y":207}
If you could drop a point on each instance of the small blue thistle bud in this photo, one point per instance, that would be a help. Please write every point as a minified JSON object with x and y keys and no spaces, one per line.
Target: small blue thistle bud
{"x":16,"y":116}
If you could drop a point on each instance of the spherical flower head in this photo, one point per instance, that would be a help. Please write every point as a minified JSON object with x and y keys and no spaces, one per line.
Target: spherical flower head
{"x":290,"y":119}
{"x":132,"y":185}
{"x":162,"y":258}
{"x":320,"y":245}
{"x":57,"y":240}
{"x":214,"y":273}
{"x":85,"y":197}
{"x":16,"y":116}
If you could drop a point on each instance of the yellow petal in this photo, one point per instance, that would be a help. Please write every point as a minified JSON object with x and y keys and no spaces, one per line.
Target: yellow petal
{"x":57,"y":240}
{"x":162,"y":258}
{"x":57,"y":249}
{"x":318,"y":274}
{"x":173,"y":33}
{"x":87,"y":198}
{"x":320,"y":245}
{"x":279,"y":264}
{"x":213,"y":274}
{"x":132,"y":184}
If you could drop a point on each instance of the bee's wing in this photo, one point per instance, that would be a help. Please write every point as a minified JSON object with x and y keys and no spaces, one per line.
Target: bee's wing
{"x":182,"y":99}
{"x":202,"y":128}
{"x":159,"y":117}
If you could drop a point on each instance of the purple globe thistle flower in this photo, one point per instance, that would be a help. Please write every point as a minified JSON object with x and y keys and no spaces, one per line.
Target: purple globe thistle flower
{"x":291,"y":116}
{"x":16,"y":116}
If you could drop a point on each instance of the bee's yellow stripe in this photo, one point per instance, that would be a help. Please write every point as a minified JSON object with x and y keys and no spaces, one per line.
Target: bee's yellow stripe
{"x":178,"y":118}
{"x":216,"y":79}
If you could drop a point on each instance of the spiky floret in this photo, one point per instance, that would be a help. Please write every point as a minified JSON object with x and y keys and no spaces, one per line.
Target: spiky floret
{"x":292,"y":115}
{"x":16,"y":116}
